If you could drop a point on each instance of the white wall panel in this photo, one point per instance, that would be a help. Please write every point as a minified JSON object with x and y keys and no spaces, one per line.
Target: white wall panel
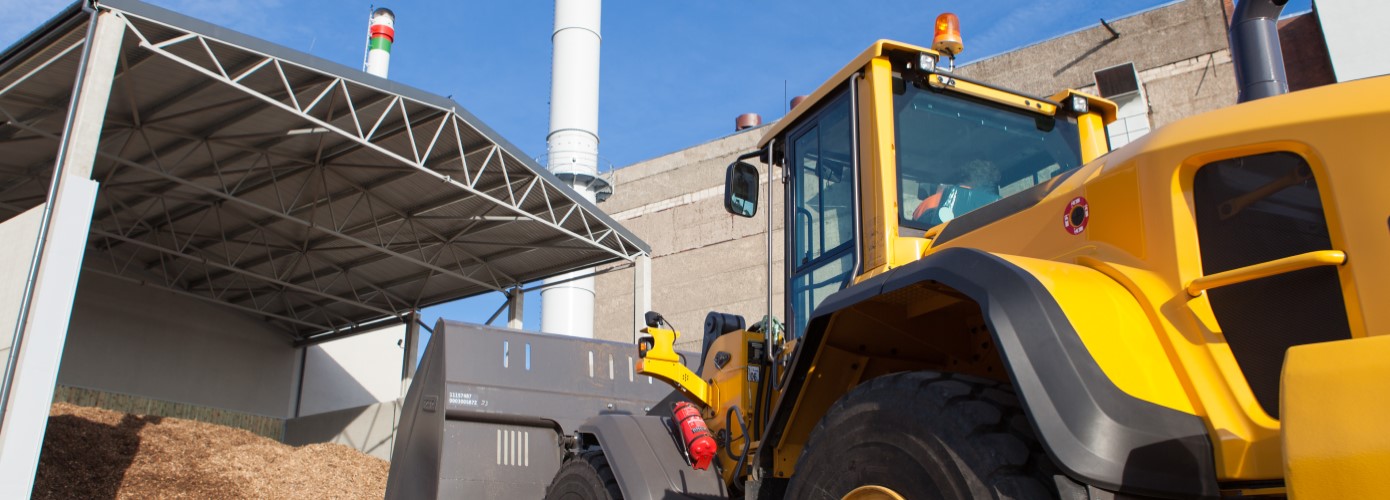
{"x":355,"y":371}
{"x":1356,"y":37}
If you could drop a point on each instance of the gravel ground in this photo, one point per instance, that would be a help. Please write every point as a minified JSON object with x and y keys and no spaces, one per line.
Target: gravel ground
{"x":100,"y":454}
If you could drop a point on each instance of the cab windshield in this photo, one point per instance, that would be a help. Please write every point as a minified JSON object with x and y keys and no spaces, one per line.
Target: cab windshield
{"x":957,"y":153}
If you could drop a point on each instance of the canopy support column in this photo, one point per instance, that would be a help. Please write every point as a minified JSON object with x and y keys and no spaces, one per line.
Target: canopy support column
{"x":516,"y":300}
{"x":43,"y":308}
{"x":641,"y":293}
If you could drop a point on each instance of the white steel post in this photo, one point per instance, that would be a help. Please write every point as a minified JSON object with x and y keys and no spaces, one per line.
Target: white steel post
{"x":410,"y":344}
{"x":42,"y":326}
{"x":516,"y":300}
{"x":572,"y":147}
{"x":641,"y":293}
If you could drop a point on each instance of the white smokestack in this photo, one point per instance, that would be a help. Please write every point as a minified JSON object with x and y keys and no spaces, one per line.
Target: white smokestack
{"x":380,"y":35}
{"x":572,"y":148}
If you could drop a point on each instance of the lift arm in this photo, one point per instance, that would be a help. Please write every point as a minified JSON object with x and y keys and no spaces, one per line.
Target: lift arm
{"x":659,"y":360}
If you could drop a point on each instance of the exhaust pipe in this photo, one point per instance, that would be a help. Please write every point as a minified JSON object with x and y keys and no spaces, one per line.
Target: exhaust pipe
{"x":746,"y":121}
{"x":1259,"y":62}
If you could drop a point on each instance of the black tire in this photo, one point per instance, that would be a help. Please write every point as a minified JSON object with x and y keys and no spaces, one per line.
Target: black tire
{"x":585,"y":476}
{"x":925,"y":435}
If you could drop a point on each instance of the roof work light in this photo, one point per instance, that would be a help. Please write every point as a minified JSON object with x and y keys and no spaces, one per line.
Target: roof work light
{"x":1079,"y":104}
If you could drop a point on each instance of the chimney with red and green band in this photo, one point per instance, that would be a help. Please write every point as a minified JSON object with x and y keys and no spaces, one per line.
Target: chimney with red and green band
{"x":382,"y":33}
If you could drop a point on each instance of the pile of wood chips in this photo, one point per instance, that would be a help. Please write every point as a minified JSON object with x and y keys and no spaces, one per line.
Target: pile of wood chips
{"x":95,"y":453}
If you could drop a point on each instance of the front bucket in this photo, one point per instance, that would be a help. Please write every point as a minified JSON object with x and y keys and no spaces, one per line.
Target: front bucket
{"x":489,"y":407}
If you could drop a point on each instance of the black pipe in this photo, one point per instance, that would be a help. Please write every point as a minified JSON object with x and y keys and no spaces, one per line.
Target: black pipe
{"x":1259,"y":62}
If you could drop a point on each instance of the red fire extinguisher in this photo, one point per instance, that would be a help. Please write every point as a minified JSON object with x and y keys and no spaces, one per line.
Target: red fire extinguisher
{"x":699,"y":444}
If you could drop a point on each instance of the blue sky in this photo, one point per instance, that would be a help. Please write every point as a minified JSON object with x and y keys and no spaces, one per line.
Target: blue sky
{"x":674,"y":73}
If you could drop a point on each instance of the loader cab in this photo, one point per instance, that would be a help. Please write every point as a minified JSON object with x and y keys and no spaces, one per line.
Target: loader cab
{"x":893,"y":149}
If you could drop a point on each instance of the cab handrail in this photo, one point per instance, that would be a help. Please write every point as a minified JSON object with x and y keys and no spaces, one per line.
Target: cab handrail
{"x":1266,"y":269}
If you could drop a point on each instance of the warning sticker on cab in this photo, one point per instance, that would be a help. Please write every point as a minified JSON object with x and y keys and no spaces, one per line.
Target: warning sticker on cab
{"x":1076,"y":216}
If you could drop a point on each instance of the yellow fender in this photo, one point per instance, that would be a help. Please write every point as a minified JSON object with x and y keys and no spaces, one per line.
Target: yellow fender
{"x":1334,"y":406}
{"x":1079,"y":349}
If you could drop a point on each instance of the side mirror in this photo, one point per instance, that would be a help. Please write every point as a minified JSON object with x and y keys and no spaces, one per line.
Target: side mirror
{"x":741,"y":189}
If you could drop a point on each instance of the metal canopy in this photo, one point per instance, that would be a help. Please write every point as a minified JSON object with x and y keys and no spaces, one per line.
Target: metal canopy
{"x":308,"y":193}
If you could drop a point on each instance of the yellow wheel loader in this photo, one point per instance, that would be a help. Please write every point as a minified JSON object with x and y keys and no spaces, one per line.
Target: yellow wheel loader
{"x":984,"y":301}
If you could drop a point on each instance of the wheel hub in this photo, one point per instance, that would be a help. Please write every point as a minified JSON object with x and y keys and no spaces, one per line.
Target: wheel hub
{"x":872,"y":492}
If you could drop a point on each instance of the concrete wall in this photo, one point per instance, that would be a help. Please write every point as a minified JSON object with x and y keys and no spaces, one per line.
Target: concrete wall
{"x":352,"y":392}
{"x":129,"y":339}
{"x":1188,"y":87}
{"x":19,"y":233}
{"x":703,"y":258}
{"x":1180,"y":51}
{"x":1150,"y":39}
{"x":370,"y":428}
{"x":133,"y":343}
{"x":353,"y":372}
{"x":23,"y":417}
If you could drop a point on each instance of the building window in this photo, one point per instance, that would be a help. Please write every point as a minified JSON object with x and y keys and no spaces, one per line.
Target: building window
{"x":1121,"y":84}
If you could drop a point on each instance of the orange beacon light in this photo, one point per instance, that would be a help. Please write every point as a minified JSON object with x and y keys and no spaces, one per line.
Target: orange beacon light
{"x":947,"y":39}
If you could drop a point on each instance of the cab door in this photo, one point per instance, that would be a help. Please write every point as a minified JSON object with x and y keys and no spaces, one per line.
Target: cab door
{"x":823,"y":220}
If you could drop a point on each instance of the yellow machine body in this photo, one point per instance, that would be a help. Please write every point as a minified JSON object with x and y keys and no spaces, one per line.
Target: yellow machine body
{"x":1130,"y":281}
{"x":735,"y":379}
{"x":725,"y":387}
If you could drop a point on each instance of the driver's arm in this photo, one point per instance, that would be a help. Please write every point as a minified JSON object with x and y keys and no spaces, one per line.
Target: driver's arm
{"x":931,"y":202}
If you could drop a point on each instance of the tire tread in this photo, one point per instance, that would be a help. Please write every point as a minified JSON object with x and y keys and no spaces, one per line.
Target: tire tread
{"x":989,"y":415}
{"x":578,"y":467}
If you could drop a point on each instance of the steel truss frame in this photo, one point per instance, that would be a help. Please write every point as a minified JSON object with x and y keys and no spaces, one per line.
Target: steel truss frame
{"x":240,"y":213}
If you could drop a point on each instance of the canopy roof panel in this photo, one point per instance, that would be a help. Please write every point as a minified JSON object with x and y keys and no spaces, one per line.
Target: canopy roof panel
{"x":309,"y":193}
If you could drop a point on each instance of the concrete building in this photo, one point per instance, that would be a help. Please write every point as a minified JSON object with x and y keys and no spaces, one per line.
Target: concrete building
{"x":703,"y":259}
{"x":1159,"y":65}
